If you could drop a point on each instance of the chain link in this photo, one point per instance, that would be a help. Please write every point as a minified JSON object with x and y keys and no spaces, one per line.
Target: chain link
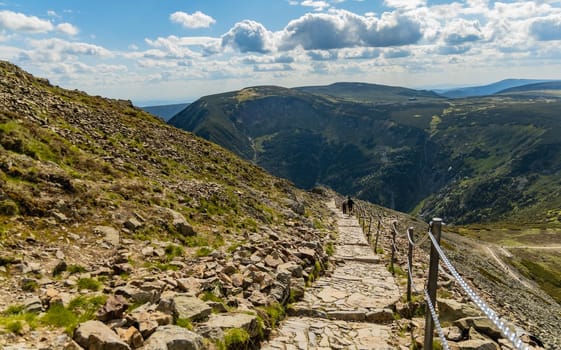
{"x":490,"y":313}
{"x":436,"y":322}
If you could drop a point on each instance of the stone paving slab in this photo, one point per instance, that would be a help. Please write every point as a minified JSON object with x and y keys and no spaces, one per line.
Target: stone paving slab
{"x":350,"y":308}
{"x":305,"y":333}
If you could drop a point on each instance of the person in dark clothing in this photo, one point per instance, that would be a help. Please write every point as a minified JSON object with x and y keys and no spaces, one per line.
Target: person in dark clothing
{"x":344,"y":207}
{"x":350,"y":204}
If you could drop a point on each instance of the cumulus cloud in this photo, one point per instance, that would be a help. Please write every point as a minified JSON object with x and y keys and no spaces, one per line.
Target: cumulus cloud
{"x":248,"y":36}
{"x":321,"y":55}
{"x":397,"y":53}
{"x":20,"y":22}
{"x":406,"y":4}
{"x":191,"y":21}
{"x":170,"y":47}
{"x":547,"y":29}
{"x":317,"y":5}
{"x":360,"y":53}
{"x":67,"y":28}
{"x":453,"y":50}
{"x":273,"y":68}
{"x":53,"y":50}
{"x":462,"y":31}
{"x":253,"y":59}
{"x":343,"y":29}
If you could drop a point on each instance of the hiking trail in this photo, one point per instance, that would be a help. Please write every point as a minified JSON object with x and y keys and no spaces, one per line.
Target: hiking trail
{"x":349,"y":307}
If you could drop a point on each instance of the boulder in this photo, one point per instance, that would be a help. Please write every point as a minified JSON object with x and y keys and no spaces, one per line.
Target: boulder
{"x":131,"y":336}
{"x":380,"y":316}
{"x":180,"y":224}
{"x":481,"y":324}
{"x":33,"y":305}
{"x":190,"y":285}
{"x":297,"y":288}
{"x":188,"y":307}
{"x":96,"y":335}
{"x":451,"y":310}
{"x":292,"y":267}
{"x":110,"y":234}
{"x":114,"y":308}
{"x":475,"y":344}
{"x":133,"y":224}
{"x":149,"y":319}
{"x":59,"y":268}
{"x":173,"y":338}
{"x":234,"y":320}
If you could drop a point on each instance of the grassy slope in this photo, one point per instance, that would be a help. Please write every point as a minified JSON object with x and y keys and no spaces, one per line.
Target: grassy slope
{"x":99,"y":162}
{"x":458,"y":159}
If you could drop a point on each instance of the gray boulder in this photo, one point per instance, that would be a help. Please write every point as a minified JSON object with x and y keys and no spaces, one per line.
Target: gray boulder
{"x":234,"y":320}
{"x":96,"y":335}
{"x":188,"y":307}
{"x":173,"y":338}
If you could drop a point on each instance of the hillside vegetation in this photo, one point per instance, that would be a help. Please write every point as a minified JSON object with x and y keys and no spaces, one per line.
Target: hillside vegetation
{"x":471,"y":160}
{"x":100,"y":200}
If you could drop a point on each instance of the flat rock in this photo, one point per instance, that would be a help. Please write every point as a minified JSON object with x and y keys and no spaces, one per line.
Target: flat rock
{"x":188,"y":307}
{"x":173,"y":338}
{"x":234,"y":320}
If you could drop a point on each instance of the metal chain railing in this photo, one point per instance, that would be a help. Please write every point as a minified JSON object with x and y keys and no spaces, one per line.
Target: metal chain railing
{"x":490,"y":313}
{"x":432,"y":322}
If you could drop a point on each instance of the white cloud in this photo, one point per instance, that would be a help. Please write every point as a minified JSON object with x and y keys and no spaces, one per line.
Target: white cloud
{"x":547,"y":29}
{"x":21,"y":22}
{"x":67,"y":28}
{"x":343,"y":29}
{"x":317,"y":5}
{"x":460,"y":31}
{"x":405,"y":4}
{"x":248,"y":36}
{"x":323,"y":55}
{"x":191,"y":21}
{"x":172,"y":47}
{"x":57,"y":50}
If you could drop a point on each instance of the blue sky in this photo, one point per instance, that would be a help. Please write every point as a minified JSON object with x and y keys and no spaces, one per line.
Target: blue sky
{"x":165,"y":51}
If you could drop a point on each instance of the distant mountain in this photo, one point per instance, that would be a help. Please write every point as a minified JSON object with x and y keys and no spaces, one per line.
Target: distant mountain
{"x":547,"y":89}
{"x":470,"y":160}
{"x":373,"y":93}
{"x":486,"y":90}
{"x":166,"y":112}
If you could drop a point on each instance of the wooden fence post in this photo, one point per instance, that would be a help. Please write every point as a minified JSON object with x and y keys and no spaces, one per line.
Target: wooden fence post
{"x":394,"y":231}
{"x":436,"y":226}
{"x":376,"y":241}
{"x":409,"y":263}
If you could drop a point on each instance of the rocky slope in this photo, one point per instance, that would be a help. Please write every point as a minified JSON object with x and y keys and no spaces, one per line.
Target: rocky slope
{"x":486,"y":268}
{"x":108,"y":214}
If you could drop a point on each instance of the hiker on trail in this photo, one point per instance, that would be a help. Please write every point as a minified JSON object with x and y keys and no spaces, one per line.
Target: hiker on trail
{"x":344,"y":207}
{"x":350,"y":204}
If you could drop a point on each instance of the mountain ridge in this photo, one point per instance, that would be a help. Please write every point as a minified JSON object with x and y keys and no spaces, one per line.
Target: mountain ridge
{"x":318,"y":139}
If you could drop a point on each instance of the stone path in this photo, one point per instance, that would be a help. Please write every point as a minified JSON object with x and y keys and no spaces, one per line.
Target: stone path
{"x":351,"y":308}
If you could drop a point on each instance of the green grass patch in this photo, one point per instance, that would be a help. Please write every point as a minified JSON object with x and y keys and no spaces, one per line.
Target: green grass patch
{"x":89,"y":284}
{"x":14,"y":318}
{"x":173,"y":251}
{"x":185,"y":323}
{"x":72,"y":269}
{"x":329,"y":249}
{"x":162,"y":266}
{"x":236,"y":338}
{"x":275,"y":313}
{"x":203,"y":251}
{"x":79,"y":310}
